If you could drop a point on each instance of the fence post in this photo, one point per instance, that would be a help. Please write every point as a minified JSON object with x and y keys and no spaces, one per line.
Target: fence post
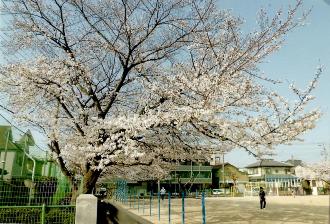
{"x":183,"y":208}
{"x":158,"y":206}
{"x":43,"y":213}
{"x":138,"y":197}
{"x":86,"y":209}
{"x":150,"y":202}
{"x":169,"y":207}
{"x":196,"y":193}
{"x":126,"y":193}
{"x":143,"y":199}
{"x":203,"y":208}
{"x":130,"y":199}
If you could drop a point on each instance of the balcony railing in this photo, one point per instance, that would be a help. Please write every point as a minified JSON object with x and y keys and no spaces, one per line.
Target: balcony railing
{"x":191,"y":180}
{"x":193,"y":168}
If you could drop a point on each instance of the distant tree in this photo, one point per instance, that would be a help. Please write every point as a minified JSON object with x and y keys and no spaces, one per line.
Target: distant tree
{"x":124,"y":84}
{"x":321,"y":169}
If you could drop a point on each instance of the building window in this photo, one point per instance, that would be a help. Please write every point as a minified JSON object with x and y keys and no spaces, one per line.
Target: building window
{"x":276,"y":171}
{"x":268,"y":171}
{"x":255,"y":171}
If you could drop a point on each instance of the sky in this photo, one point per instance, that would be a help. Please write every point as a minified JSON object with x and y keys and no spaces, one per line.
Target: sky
{"x":305,"y":48}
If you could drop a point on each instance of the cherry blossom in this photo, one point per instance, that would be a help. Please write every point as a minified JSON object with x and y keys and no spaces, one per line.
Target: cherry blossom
{"x":126,"y":87}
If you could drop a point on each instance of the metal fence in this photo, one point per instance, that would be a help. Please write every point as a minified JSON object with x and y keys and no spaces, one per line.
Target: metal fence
{"x":50,"y":214}
{"x":167,"y":208}
{"x":21,"y":191}
{"x":46,"y":200}
{"x":32,"y":187}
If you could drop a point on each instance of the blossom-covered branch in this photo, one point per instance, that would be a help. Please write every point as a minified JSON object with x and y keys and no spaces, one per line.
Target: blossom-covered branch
{"x":119,"y":84}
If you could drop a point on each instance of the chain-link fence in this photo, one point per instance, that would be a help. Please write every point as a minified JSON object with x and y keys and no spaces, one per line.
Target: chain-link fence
{"x":51,"y":214}
{"x":21,"y":191}
{"x":32,"y":187}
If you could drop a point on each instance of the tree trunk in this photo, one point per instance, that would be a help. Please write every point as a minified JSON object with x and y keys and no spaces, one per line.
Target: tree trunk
{"x":75,"y":192}
{"x":89,"y":180}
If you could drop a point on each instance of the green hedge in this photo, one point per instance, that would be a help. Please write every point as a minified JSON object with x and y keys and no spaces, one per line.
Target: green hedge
{"x":20,"y":215}
{"x":33,"y":215}
{"x":60,"y":216}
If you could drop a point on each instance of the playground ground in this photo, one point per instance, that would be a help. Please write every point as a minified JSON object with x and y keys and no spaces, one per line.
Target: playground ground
{"x":244,"y":210}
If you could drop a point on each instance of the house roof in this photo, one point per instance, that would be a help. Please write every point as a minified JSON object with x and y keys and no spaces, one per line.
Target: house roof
{"x":6,"y":138}
{"x":295,"y":162}
{"x":27,"y":139}
{"x":268,"y":163}
{"x":219,"y":165}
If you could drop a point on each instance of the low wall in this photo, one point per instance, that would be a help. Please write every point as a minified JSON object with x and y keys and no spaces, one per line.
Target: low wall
{"x":91,"y":210}
{"x":112,"y":213}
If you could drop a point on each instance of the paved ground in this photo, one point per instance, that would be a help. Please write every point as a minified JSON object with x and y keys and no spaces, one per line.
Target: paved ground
{"x":279,"y":210}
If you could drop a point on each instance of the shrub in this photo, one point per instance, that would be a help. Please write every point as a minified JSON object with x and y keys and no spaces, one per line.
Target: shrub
{"x":60,"y":216}
{"x":20,"y":215}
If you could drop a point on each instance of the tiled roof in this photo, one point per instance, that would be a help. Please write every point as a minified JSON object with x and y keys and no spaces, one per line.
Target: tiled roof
{"x":268,"y":163}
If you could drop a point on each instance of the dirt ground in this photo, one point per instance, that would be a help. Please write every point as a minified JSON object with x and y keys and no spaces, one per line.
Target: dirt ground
{"x":245,"y":210}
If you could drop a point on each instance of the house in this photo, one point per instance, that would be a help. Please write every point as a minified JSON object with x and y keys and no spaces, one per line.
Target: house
{"x":229,"y":177}
{"x":24,"y":178}
{"x":276,"y":177}
{"x":14,"y":155}
{"x":16,"y":159}
{"x":311,"y":182}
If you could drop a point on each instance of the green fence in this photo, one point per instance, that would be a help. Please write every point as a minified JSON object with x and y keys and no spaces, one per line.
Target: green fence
{"x":21,"y":191}
{"x":50,"y":214}
{"x":45,"y":200}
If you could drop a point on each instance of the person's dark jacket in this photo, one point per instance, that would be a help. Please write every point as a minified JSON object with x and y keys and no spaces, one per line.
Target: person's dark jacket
{"x":262,"y":195}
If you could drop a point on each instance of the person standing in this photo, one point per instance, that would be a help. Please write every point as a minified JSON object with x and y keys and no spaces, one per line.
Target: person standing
{"x":262,"y":196}
{"x":162,"y":193}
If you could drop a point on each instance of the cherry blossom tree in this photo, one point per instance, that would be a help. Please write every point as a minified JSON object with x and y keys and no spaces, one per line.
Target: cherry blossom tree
{"x":321,"y":169}
{"x":122,"y":84}
{"x":316,"y":171}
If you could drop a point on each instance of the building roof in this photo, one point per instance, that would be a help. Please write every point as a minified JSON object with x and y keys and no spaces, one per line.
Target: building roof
{"x":268,"y":163}
{"x":6,"y":138}
{"x":219,"y":165}
{"x":295,"y":162}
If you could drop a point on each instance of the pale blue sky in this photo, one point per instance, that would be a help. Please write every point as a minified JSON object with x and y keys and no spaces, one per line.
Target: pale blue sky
{"x":305,"y":48}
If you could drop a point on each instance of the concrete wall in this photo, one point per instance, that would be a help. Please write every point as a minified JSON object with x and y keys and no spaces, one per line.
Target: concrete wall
{"x":86,"y":209}
{"x":91,"y":210}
